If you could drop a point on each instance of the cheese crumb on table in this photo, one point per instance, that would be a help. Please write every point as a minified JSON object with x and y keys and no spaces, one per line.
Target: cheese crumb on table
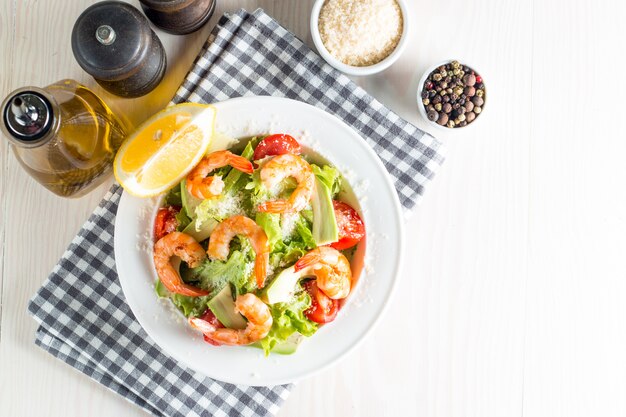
{"x":360,"y":32}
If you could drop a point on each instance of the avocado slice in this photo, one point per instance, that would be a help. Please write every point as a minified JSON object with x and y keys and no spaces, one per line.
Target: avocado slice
{"x":324,"y":222}
{"x":287,"y":347}
{"x":189,"y":202}
{"x":223,"y":306}
{"x":281,"y":289}
{"x":203,"y":232}
{"x":290,"y":345}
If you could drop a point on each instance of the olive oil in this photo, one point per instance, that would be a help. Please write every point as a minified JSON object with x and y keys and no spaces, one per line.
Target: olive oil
{"x":63,"y":135}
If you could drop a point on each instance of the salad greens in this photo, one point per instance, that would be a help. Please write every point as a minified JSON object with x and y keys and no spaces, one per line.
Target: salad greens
{"x":329,"y":176}
{"x":189,"y":306}
{"x":288,"y":319}
{"x":270,"y":222}
{"x":290,"y":236}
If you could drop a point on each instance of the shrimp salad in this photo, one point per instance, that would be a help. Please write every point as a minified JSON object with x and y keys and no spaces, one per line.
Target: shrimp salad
{"x":254,"y":247}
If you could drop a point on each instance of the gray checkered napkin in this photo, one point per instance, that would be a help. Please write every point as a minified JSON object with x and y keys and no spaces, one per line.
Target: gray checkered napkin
{"x":83,"y":316}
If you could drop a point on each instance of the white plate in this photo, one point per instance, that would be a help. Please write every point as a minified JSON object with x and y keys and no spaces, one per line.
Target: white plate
{"x":380,"y":208}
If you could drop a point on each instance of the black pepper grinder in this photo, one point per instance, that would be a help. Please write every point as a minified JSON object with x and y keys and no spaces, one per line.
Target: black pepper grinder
{"x":179,"y":17}
{"x":113,"y":42}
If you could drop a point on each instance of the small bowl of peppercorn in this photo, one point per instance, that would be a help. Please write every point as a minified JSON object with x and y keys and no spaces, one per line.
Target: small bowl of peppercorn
{"x":451,"y":95}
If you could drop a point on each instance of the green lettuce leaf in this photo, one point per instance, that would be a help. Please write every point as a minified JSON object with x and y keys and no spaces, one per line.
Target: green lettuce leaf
{"x":183,"y":220}
{"x":288,"y":319}
{"x":255,"y":190}
{"x":330,"y":176}
{"x":304,"y":230}
{"x":214,"y":275}
{"x":288,"y":255}
{"x":189,"y":306}
{"x":219,"y":208}
{"x":284,"y":253}
{"x":270,"y":223}
{"x":308,"y":215}
{"x":173,"y":197}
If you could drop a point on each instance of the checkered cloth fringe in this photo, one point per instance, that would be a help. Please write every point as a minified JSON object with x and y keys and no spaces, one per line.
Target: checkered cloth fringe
{"x":82,"y":314}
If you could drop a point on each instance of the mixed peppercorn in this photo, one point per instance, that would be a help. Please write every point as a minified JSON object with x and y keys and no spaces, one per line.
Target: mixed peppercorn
{"x":453,"y":95}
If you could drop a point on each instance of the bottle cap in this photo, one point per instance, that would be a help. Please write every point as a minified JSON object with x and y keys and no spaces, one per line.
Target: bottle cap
{"x":113,"y":42}
{"x":27,"y":116}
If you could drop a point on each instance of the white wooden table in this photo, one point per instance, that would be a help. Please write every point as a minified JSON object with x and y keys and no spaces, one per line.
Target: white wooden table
{"x":512,"y":300}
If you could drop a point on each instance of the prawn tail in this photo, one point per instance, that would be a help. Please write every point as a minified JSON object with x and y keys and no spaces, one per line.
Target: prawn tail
{"x":309,"y":259}
{"x":192,"y":189}
{"x":189,"y":291}
{"x":260,"y":269}
{"x":240,"y":163}
{"x":276,"y":206}
{"x":228,"y":337}
{"x":207,"y":329}
{"x":171,"y":280}
{"x":202,"y":325}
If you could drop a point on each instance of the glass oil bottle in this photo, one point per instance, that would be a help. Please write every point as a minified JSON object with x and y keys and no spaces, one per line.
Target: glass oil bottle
{"x":63,"y":135}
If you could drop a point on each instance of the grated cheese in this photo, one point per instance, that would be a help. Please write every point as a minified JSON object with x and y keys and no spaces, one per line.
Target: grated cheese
{"x":288,"y":224}
{"x":360,"y":32}
{"x":229,"y":205}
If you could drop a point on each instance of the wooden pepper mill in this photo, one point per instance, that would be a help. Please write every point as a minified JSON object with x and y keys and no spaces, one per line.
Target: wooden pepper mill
{"x":114,"y":43}
{"x":179,"y":17}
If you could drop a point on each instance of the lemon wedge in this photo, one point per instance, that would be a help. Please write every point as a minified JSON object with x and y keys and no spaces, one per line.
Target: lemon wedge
{"x":162,"y":151}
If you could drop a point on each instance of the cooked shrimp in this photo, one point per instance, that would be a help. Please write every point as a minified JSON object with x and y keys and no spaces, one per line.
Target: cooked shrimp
{"x":186,"y":248}
{"x":219,"y":244}
{"x":200,"y":185}
{"x":332,"y":270}
{"x":281,"y":167}
{"x":259,"y":323}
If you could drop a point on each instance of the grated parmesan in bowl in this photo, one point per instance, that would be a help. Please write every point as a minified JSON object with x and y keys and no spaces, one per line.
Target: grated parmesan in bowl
{"x":359,"y":37}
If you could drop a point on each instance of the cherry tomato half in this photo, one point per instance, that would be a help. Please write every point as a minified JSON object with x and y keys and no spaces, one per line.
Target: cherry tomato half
{"x":323,"y":309}
{"x":276,"y":145}
{"x":165,"y":221}
{"x":210,"y":317}
{"x":350,"y":225}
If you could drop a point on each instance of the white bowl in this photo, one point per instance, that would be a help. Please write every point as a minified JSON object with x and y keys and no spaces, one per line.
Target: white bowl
{"x":382,"y":251}
{"x":351,"y":69}
{"x":420,"y":89}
